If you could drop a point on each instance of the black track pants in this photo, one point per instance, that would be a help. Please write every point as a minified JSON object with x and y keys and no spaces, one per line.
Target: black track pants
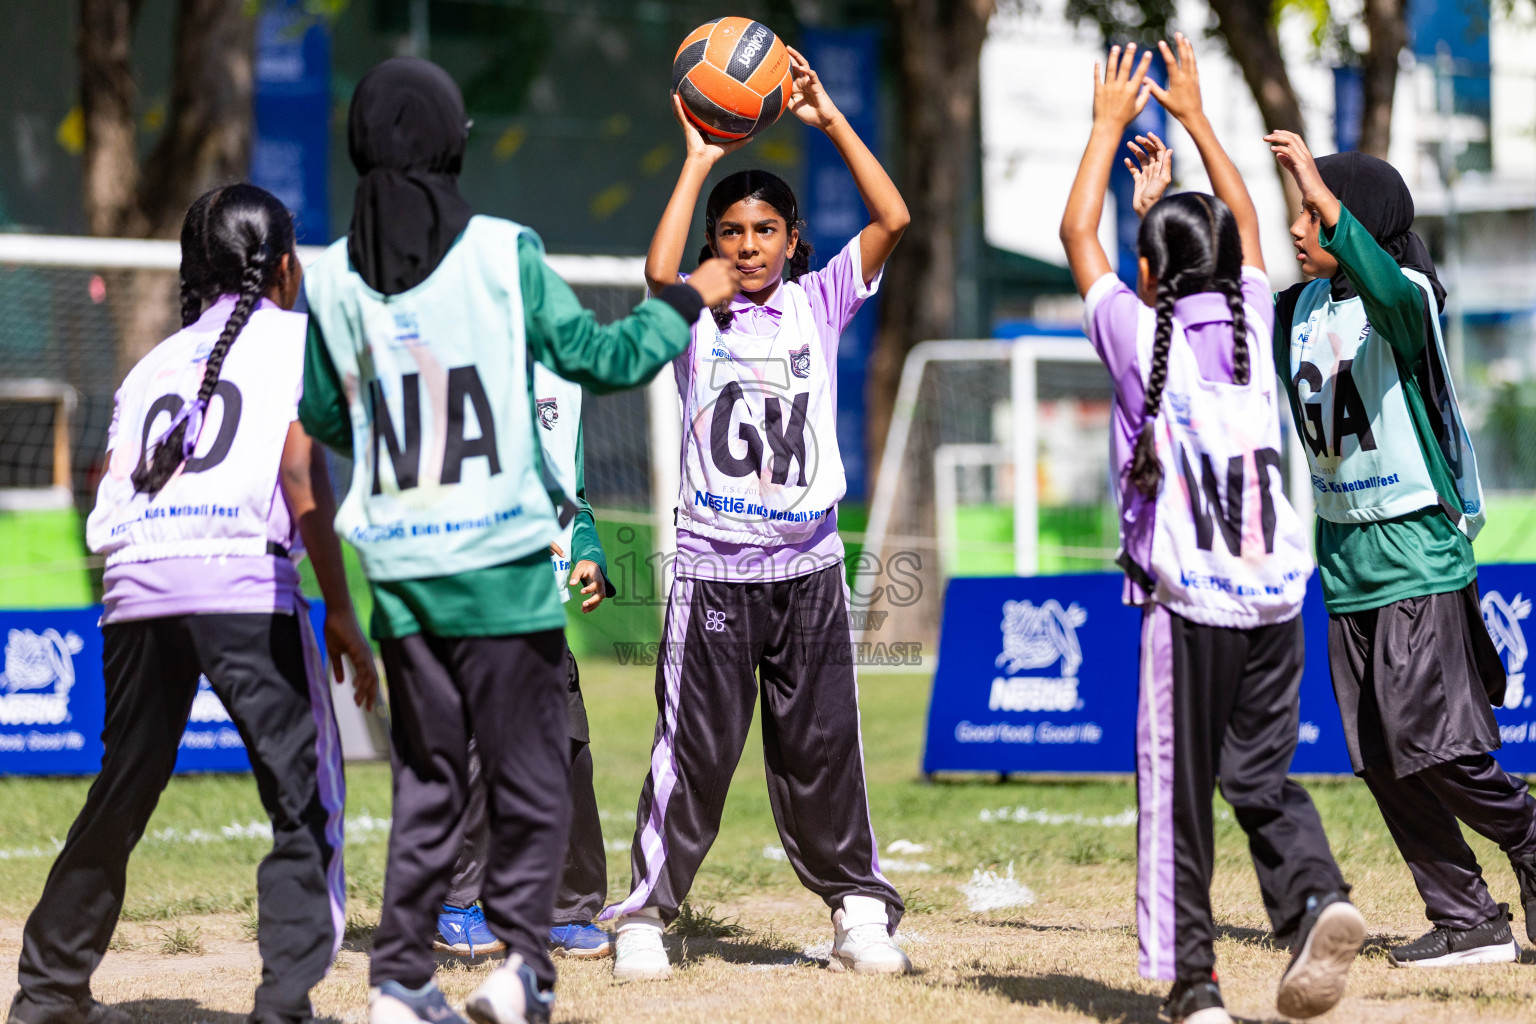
{"x":584,"y":883}
{"x":794,"y":635}
{"x":506,"y":693}
{"x":1421,"y":812}
{"x":281,"y":705}
{"x":1415,"y":681}
{"x":1219,"y":703}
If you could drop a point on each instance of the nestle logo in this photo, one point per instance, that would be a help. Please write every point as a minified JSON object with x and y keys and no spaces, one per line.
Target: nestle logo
{"x":757,"y":42}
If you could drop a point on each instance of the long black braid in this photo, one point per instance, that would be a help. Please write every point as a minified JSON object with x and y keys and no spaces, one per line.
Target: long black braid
{"x":1146,"y":471}
{"x":1233,"y":290}
{"x":764,"y":187}
{"x":1191,"y":244}
{"x":233,"y":242}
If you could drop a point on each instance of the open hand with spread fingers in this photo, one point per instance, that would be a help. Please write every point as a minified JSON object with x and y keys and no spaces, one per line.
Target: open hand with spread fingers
{"x":1152,"y":171}
{"x":1122,"y":91}
{"x":1182,"y":96}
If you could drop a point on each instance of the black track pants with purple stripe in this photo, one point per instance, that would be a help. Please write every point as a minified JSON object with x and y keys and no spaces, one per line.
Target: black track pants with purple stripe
{"x":794,"y":634}
{"x":508,"y":693}
{"x":1219,"y":703}
{"x":268,"y":675}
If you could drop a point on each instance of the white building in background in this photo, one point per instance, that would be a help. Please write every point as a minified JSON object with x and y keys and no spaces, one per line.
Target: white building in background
{"x":1036,"y":110}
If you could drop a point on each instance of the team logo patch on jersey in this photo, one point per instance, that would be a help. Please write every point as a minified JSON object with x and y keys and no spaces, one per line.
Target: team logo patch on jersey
{"x":39,"y":673}
{"x":800,"y":361}
{"x":549,"y":413}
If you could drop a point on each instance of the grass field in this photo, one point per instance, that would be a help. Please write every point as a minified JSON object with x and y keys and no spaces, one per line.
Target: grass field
{"x":184,"y":952}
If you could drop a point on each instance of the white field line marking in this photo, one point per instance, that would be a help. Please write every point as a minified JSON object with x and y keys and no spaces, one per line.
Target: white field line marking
{"x":1024,"y":816}
{"x":988,"y":890}
{"x":360,"y":826}
{"x":907,"y":866}
{"x":905,"y":846}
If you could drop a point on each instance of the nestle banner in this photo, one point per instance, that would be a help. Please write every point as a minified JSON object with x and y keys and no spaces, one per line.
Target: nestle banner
{"x":53,"y":701}
{"x":1039,"y":674}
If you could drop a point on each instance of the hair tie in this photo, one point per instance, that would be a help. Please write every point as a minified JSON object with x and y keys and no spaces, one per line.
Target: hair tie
{"x":192,"y":415}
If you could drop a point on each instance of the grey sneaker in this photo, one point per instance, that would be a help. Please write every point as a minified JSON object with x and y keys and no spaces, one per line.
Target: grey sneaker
{"x":1331,"y":934}
{"x":1491,"y":942}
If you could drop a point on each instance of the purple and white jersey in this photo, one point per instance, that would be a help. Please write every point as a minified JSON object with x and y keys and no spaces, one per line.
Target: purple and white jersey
{"x":761,"y":470}
{"x":201,"y":544}
{"x":1211,"y":556}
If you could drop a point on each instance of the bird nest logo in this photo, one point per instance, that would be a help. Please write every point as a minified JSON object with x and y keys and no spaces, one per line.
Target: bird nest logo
{"x":1503,"y":620}
{"x":1037,"y":637}
{"x":39,"y":673}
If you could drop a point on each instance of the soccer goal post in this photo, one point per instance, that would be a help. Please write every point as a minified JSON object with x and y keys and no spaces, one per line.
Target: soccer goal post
{"x":997,"y":463}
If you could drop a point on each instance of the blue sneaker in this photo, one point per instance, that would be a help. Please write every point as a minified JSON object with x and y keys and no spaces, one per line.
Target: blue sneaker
{"x":393,"y":1003}
{"x":462,"y":931}
{"x":580,"y":941}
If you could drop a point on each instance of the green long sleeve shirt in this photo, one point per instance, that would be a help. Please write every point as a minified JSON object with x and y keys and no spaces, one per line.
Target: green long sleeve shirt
{"x":519,"y":596}
{"x":1369,"y":565}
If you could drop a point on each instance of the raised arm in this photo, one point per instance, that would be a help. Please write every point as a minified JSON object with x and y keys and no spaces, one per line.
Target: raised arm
{"x":670,"y":242}
{"x":1117,"y":98}
{"x":1182,"y":100}
{"x":888,"y":216}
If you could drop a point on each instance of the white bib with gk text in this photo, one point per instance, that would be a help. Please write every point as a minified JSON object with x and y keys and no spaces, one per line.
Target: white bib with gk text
{"x":760,"y":458}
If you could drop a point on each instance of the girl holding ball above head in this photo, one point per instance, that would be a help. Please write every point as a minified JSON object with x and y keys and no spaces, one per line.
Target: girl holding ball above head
{"x":758,"y":586}
{"x":1220,"y":576}
{"x":1398,"y":502}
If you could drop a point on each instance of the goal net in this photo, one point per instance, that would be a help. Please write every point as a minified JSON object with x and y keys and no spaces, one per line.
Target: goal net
{"x":77,"y":313}
{"x":997,"y":464}
{"x":953,"y":500}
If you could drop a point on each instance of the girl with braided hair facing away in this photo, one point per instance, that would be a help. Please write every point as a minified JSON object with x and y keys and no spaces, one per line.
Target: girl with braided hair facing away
{"x":212,"y":493}
{"x":1398,"y":501}
{"x":1212,"y":551}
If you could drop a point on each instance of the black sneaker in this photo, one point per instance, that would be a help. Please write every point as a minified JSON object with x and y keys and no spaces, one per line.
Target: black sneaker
{"x":1491,"y":942}
{"x":1327,"y":942}
{"x":1525,"y":873}
{"x":1196,"y":1002}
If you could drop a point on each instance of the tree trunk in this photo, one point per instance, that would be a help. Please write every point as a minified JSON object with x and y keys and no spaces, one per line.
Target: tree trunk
{"x":1249,"y":28}
{"x":206,"y":142}
{"x":940,"y":55}
{"x":1387,"y":22}
{"x":110,"y":160}
{"x":207,"y":139}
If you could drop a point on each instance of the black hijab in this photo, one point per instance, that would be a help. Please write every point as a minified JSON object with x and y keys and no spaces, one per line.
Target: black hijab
{"x":1379,"y":199}
{"x":406,"y":133}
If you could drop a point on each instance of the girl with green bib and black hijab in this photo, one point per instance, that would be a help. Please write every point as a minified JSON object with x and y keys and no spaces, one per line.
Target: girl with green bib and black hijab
{"x":1398,"y":502}
{"x":425,"y":323}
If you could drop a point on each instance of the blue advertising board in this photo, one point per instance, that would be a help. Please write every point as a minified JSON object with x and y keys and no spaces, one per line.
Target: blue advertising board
{"x":1039,"y":674}
{"x":290,"y":150}
{"x":53,"y":700}
{"x":848,"y":63}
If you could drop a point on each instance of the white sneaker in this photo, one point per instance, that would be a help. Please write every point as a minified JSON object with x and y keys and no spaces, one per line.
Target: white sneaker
{"x":510,"y":996}
{"x":861,"y":939}
{"x":638,"y":954}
